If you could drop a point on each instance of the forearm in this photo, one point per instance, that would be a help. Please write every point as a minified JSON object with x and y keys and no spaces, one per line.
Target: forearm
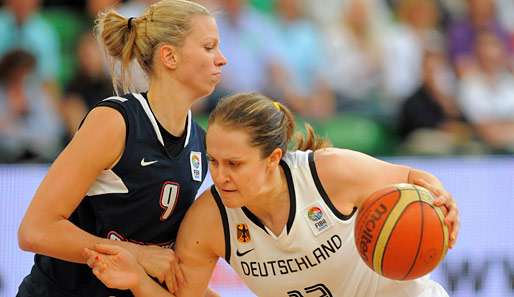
{"x":63,"y":240}
{"x":149,"y":288}
{"x":415,"y":174}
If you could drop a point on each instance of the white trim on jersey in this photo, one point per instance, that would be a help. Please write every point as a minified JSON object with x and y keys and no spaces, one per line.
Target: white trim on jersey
{"x":107,"y":182}
{"x":206,"y":184}
{"x":116,"y":98}
{"x":188,"y":128}
{"x":149,"y":113}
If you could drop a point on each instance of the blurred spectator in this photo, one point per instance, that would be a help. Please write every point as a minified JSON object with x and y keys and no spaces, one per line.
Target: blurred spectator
{"x":505,"y":10}
{"x":486,"y":93}
{"x":324,"y":15}
{"x":21,"y":26}
{"x":89,"y":84}
{"x":29,"y":126}
{"x":462,"y":34}
{"x":403,"y":50}
{"x":430,"y":120}
{"x":245,"y":35}
{"x":422,"y":16}
{"x":93,"y":7}
{"x":354,"y":46}
{"x":297,"y":69}
{"x":265,"y":6}
{"x":134,"y":8}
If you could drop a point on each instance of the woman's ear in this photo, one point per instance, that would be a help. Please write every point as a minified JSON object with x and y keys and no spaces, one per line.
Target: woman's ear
{"x":275,"y":157}
{"x":168,"y":56}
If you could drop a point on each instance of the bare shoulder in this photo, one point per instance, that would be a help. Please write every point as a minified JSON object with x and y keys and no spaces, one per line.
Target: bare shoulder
{"x":334,"y":164}
{"x":104,"y":121}
{"x":101,"y":139}
{"x":351,"y":176}
{"x":337,"y":176}
{"x":204,"y":207}
{"x":200,"y":243}
{"x":204,"y":220}
{"x":333,"y":154}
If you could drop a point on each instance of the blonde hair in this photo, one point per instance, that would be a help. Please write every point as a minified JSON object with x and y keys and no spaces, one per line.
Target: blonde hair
{"x":126,"y":39}
{"x":269,"y":124}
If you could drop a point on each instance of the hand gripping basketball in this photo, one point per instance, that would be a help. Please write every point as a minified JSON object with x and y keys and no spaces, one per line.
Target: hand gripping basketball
{"x":400,"y":233}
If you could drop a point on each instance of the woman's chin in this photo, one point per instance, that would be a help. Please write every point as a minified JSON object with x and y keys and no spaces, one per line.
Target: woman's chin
{"x":230,"y":199}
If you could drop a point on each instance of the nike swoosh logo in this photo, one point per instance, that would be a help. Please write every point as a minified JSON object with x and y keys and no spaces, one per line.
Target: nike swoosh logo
{"x":239,"y":254}
{"x":143,"y":163}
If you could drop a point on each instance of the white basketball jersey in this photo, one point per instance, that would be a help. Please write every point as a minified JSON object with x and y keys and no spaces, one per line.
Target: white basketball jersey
{"x":315,"y":254}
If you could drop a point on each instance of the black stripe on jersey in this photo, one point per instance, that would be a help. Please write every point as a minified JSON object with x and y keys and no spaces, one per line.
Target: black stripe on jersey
{"x":292,"y":195}
{"x":292,"y":202}
{"x":321,"y":190}
{"x":253,"y":218}
{"x":224,"y":220}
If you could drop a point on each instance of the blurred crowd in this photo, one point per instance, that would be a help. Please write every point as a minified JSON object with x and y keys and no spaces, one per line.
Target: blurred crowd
{"x":385,"y":77}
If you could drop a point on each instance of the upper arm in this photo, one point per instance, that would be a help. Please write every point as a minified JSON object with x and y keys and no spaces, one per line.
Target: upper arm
{"x":349,"y":177}
{"x":200,"y":243}
{"x":95,"y":147}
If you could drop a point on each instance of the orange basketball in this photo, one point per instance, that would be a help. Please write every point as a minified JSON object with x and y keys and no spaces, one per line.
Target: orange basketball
{"x":400,"y":234}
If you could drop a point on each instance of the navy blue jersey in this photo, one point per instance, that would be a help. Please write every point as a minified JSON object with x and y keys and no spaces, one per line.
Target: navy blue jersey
{"x":142,"y":199}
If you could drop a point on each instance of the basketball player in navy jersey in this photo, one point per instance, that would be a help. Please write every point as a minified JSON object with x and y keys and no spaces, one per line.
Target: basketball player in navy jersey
{"x":284,"y":220}
{"x":137,"y":162}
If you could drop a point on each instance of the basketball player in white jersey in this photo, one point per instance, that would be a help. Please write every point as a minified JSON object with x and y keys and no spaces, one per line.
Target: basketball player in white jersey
{"x":283,"y":220}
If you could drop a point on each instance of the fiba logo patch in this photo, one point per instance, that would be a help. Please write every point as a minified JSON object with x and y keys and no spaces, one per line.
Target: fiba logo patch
{"x":317,"y":219}
{"x":195,"y":161}
{"x":196,"y":165}
{"x":243,"y":233}
{"x":315,"y":214}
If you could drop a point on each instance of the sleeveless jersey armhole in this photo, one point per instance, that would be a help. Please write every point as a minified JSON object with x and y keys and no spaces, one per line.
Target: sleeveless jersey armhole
{"x":323,"y":193}
{"x":224,"y":219}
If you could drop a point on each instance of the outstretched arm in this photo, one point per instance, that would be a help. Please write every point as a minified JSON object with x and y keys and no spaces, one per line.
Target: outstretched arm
{"x":350,"y":177}
{"x":198,"y":248}
{"x":46,"y":228}
{"x":117,"y":268}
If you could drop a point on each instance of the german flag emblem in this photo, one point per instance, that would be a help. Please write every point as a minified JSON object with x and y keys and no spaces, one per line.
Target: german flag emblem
{"x":243,"y":233}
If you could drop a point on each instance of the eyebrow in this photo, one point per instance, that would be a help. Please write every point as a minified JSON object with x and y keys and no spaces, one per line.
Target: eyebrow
{"x":211,"y":39}
{"x":231,"y":159}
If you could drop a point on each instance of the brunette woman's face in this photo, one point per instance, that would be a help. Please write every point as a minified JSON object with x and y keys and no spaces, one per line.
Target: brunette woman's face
{"x":237,"y":168}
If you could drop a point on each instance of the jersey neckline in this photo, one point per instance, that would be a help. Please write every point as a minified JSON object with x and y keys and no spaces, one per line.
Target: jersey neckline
{"x":292,"y":204}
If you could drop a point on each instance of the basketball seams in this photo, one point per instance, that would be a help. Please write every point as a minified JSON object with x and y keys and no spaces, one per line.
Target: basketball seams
{"x":396,"y":220}
{"x":388,"y":226}
{"x":369,"y":208}
{"x":440,"y":215}
{"x":422,"y":227}
{"x":376,"y":199}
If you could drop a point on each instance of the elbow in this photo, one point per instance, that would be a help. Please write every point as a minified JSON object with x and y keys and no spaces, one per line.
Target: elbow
{"x":28,"y":237}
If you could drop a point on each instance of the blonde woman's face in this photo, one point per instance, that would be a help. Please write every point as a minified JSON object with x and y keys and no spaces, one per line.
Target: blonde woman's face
{"x":237,"y":169}
{"x":200,"y":59}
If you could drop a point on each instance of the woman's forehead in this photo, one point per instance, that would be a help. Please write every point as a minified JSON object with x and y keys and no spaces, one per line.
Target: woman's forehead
{"x":222,"y":140}
{"x":204,"y":26}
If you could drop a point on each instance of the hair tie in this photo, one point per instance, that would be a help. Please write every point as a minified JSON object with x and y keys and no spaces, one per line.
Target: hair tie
{"x":277,"y":105}
{"x":130,"y":23}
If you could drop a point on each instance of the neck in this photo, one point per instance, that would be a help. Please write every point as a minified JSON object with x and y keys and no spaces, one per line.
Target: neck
{"x":170,"y":103}
{"x":272,"y":206}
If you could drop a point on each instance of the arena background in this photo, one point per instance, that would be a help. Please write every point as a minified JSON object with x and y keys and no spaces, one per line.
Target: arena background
{"x":405,"y":32}
{"x":482,"y":263}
